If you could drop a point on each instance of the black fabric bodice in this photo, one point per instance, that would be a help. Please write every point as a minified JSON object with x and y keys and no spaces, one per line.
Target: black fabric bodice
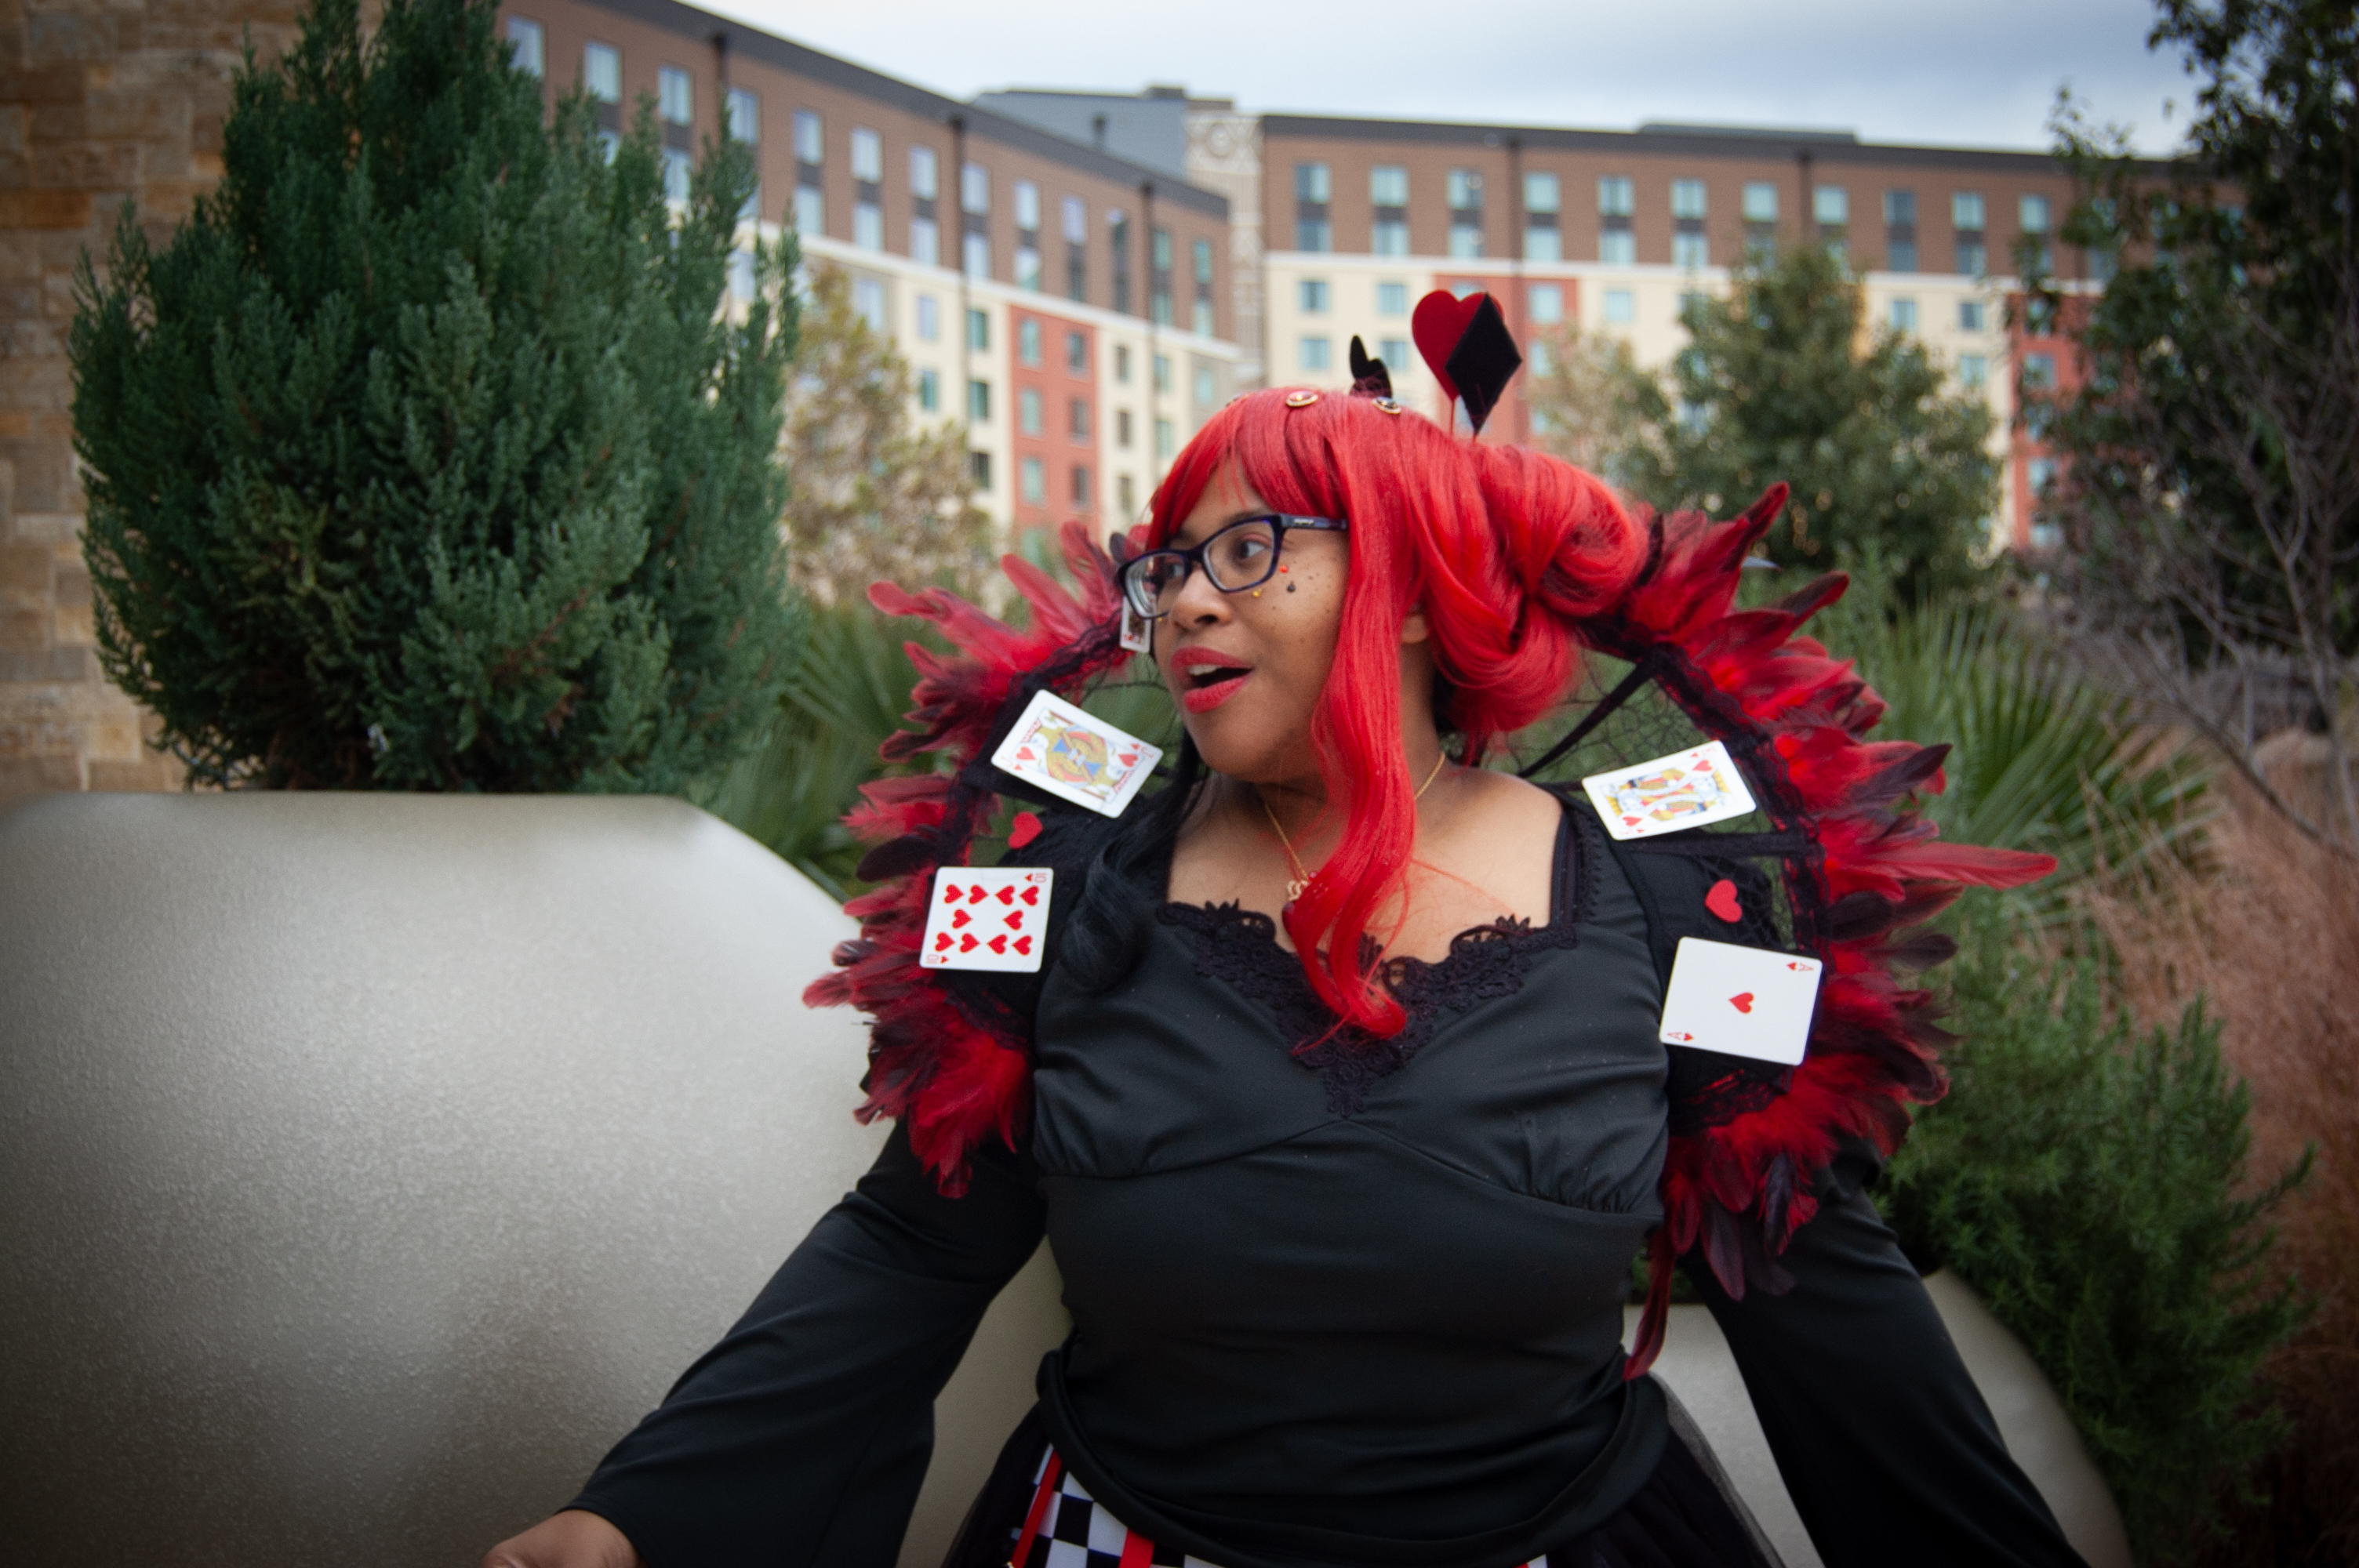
{"x":1372,"y":1289}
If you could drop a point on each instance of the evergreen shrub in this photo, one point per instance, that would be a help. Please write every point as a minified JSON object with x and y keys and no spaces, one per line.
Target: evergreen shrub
{"x":425,"y":456}
{"x":2088,"y":1180}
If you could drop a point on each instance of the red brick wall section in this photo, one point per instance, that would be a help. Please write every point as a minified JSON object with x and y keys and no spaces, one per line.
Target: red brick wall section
{"x":100,"y":100}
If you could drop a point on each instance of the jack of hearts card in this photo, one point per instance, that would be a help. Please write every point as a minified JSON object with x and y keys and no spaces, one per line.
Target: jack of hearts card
{"x":1686,"y":789}
{"x":987,"y":917}
{"x":1075,"y":756}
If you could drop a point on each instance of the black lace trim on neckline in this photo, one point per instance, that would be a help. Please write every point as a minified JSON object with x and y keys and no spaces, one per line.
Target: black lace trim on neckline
{"x":1239,"y":946}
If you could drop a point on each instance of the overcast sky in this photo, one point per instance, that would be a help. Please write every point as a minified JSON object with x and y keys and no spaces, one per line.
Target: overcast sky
{"x":1976,"y":74}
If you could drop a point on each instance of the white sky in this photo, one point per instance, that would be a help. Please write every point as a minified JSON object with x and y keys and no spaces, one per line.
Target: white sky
{"x":1984,"y":73}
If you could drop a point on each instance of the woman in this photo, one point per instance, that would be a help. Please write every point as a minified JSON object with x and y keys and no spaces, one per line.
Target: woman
{"x":1340,"y":1097}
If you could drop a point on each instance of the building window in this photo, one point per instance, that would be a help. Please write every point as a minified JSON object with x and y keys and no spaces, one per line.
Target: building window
{"x":1465,"y":188}
{"x":1032,"y":479}
{"x":1199,"y":319}
{"x":1028,"y":205}
{"x":1687,"y":199}
{"x":1388,"y":185}
{"x":930,"y":319}
{"x":1546,"y":301}
{"x":2032,"y":213}
{"x":1163,"y":372}
{"x":978,"y":470}
{"x":677,"y":173}
{"x":1393,"y":351}
{"x":1970,"y":315}
{"x":745,"y":116}
{"x":1543,"y":245}
{"x":1313,"y":234}
{"x":925,"y":242}
{"x":2040,"y":472}
{"x":675,"y":96}
{"x":1830,"y":205}
{"x":1312,"y":230}
{"x":2038,"y":371}
{"x":811,"y":139}
{"x":1900,"y":208}
{"x":1541,"y":194}
{"x":974,"y":190}
{"x":867,"y":155}
{"x":1900,"y":256}
{"x":1760,"y":202}
{"x":1077,"y":220}
{"x":526,"y":40}
{"x":1201,"y":254}
{"x":1165,"y":443}
{"x":1903,"y":315}
{"x":977,"y":257}
{"x":1077,"y":353}
{"x":1027,"y":411}
{"x":1313,"y":292}
{"x":1311,"y":182}
{"x":1389,"y":237}
{"x":1125,"y":489}
{"x":1078,"y":419}
{"x":1618,"y":247}
{"x":602,"y":72}
{"x":1539,"y":358}
{"x":1122,"y":428}
{"x":810,"y":210}
{"x":869,"y":301}
{"x":1967,"y":210}
{"x":1118,"y":242}
{"x":1027,"y":268}
{"x":1691,"y":250}
{"x":1121,"y":363}
{"x":925,"y":174}
{"x":1972,"y":256}
{"x":1159,"y":255}
{"x":1392,"y":299}
{"x":741,"y":274}
{"x":1621,"y":307}
{"x":978,"y":330}
{"x":1027,"y":341}
{"x":930,"y":391}
{"x":1466,"y":242}
{"x":978,"y":402}
{"x":1311,"y":353}
{"x":1082,"y":498}
{"x":1613,"y":196}
{"x":1207,"y":386}
{"x":1543,"y":199}
{"x":1973,"y":370}
{"x":868,"y":226}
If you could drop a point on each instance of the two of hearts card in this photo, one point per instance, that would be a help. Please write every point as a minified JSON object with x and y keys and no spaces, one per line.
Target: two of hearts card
{"x":1740,"y":1002}
{"x":1075,"y":756}
{"x":987,"y":917}
{"x":1686,"y":789}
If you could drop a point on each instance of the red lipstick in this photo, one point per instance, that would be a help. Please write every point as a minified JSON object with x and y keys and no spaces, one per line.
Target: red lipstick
{"x":1208,"y":678}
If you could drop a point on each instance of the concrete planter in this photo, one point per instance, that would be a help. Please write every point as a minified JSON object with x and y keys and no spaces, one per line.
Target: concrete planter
{"x":369,"y":1163}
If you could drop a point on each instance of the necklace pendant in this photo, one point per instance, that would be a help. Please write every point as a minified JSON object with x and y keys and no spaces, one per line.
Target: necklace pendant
{"x":1294,"y":888}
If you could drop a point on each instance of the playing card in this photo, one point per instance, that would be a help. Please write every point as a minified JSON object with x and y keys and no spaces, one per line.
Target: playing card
{"x":1741,"y":1001}
{"x":1137,"y":635}
{"x":987,"y":918}
{"x":1076,"y":757}
{"x":1686,"y":789}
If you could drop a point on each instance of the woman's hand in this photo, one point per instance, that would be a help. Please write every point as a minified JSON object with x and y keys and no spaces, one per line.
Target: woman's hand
{"x":569,"y":1539}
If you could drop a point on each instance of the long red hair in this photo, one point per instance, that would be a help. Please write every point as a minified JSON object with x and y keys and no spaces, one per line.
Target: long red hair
{"x":1505,"y":550}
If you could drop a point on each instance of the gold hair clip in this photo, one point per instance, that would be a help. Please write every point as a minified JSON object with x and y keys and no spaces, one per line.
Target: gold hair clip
{"x":1388,"y":406}
{"x":1300,"y":399}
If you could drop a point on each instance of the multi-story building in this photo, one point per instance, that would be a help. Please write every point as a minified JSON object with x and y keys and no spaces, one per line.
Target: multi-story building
{"x":1068,"y":303}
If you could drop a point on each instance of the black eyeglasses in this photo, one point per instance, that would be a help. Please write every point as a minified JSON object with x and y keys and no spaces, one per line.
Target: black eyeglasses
{"x":1242,"y":555}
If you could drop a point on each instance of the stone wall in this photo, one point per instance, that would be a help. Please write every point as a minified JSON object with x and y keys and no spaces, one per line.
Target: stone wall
{"x":99,"y":101}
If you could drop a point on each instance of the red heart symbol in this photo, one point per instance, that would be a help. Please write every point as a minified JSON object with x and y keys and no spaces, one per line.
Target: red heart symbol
{"x":1702,"y":767}
{"x":1722,"y":900}
{"x":1629,"y":822}
{"x":1440,"y":319}
{"x":967,"y":943}
{"x":1015,"y":921}
{"x":1008,"y":894}
{"x":941,"y":941}
{"x":1032,"y":894}
{"x":1741,"y":1001}
{"x":959,"y":919}
{"x":1681,"y":1034}
{"x":998,"y":944}
{"x":1127,"y":758}
{"x":1024,"y":755}
{"x":950,"y":892}
{"x":1023,"y":830}
{"x":1024,"y":945}
{"x":1797,"y":968}
{"x":977,"y":893}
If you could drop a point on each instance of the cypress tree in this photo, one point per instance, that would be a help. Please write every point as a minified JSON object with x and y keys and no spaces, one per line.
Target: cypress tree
{"x":425,"y":456}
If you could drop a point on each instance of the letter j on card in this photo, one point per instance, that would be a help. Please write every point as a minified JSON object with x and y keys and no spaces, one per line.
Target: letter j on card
{"x":987,"y":918}
{"x":1686,"y":789}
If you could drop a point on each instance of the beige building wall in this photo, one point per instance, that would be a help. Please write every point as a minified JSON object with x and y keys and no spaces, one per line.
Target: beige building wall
{"x":101,"y":101}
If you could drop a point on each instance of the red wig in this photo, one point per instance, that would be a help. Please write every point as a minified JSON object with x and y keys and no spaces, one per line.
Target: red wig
{"x":1504,"y":550}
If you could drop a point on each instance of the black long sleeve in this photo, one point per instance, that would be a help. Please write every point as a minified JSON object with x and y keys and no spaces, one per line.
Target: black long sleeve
{"x":802,"y":1437}
{"x":1884,"y":1444}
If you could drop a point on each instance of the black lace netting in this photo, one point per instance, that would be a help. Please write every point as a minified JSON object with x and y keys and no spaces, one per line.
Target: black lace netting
{"x":1239,"y":946}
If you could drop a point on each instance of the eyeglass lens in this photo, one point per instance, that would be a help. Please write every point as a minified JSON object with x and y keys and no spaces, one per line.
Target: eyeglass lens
{"x":1242,"y":555}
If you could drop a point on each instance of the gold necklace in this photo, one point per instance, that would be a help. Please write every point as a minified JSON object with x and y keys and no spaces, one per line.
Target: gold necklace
{"x":1302,"y":878}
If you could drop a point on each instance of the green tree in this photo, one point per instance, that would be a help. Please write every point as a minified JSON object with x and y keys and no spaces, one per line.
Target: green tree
{"x":424,"y":455}
{"x":2210,"y":496}
{"x":1782,"y":380}
{"x":874,"y":500}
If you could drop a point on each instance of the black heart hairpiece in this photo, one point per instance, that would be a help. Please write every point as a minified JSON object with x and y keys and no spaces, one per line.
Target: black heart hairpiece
{"x":1370,"y":377}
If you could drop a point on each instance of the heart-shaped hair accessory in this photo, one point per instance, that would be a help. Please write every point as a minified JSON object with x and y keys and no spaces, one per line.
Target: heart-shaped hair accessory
{"x":1466,"y":344}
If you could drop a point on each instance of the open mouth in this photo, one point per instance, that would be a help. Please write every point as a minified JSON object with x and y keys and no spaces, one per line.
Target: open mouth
{"x":1207,"y":678}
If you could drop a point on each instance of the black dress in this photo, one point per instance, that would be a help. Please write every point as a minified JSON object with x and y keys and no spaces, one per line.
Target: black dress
{"x":1342,"y":1311}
